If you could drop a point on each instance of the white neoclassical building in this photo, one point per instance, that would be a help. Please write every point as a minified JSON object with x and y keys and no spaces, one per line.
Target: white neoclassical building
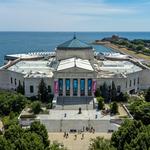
{"x":73,"y":72}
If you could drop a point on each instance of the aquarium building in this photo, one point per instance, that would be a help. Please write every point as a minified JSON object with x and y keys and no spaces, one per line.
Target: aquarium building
{"x":72,"y":73}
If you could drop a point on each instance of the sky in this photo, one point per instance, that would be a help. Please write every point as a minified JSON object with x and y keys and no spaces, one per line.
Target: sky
{"x":75,"y":15}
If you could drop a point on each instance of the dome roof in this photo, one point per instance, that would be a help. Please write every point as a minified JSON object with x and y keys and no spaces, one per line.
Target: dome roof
{"x":74,"y":44}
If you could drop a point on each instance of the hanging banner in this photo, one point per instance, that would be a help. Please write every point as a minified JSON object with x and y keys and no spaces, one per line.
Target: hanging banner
{"x":94,"y":86}
{"x":56,"y":87}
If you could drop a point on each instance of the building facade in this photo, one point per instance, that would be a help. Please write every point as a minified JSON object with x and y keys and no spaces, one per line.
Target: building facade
{"x":73,"y":72}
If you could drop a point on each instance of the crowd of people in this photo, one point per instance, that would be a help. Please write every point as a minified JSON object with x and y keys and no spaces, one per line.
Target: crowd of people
{"x":79,"y":132}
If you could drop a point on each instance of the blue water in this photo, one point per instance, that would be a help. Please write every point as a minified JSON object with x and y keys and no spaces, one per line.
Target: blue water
{"x":23,"y":42}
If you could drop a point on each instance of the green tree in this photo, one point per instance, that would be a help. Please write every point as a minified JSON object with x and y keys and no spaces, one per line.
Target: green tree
{"x":5,"y":145}
{"x":57,"y":146}
{"x":30,"y":141}
{"x":100,"y":144}
{"x":143,"y":113}
{"x":132,"y":135}
{"x":105,"y":92}
{"x":114,"y":108}
{"x":35,"y":138}
{"x":97,"y":92}
{"x":40,"y":129}
{"x":13,"y":133}
{"x":140,"y":48}
{"x":10,"y":120}
{"x":138,"y":42}
{"x":36,"y":107}
{"x":147,"y":95}
{"x":140,"y":111}
{"x":123,"y":97}
{"x":100,"y":101}
{"x":113,"y":92}
{"x":43,"y":91}
{"x":10,"y":101}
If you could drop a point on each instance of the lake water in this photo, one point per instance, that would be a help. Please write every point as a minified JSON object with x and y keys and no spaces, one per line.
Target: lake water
{"x":23,"y":42}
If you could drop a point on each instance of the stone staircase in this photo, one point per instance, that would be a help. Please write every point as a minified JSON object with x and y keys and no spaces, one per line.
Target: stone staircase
{"x":73,"y":103}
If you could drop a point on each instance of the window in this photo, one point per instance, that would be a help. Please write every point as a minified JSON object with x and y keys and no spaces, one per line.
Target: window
{"x":82,"y":87}
{"x":31,"y":89}
{"x":11,"y":80}
{"x":75,"y":87}
{"x":118,"y":89}
{"x":49,"y":89}
{"x":67,"y":87}
{"x":60,"y":84}
{"x":89,"y":87}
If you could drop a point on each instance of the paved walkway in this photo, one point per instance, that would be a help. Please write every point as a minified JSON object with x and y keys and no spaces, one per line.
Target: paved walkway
{"x":76,"y":144}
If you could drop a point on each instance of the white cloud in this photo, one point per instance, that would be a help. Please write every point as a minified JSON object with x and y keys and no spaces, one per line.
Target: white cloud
{"x":63,"y":15}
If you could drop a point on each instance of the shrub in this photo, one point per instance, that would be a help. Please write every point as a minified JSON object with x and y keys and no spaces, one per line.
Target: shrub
{"x":114,"y":108}
{"x":36,"y":107}
{"x":100,"y":101}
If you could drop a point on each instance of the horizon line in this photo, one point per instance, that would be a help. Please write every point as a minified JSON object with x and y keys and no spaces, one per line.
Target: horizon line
{"x":64,"y":31}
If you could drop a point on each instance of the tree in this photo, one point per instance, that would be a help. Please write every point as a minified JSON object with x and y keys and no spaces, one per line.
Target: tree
{"x":57,"y":146}
{"x":34,"y":138}
{"x":114,"y":108}
{"x":40,"y":129}
{"x":100,"y":101}
{"x":132,"y":135}
{"x":147,"y":95}
{"x":143,"y":113}
{"x":29,"y":141}
{"x":5,"y":145}
{"x":11,"y":102}
{"x":113,"y":92}
{"x":138,"y":42}
{"x":10,"y":120}
{"x":100,"y":144}
{"x":20,"y":89}
{"x":140,"y":111}
{"x":97,"y":92}
{"x":36,"y":107}
{"x":105,"y":92}
{"x":13,"y":133}
{"x":123,"y":97}
{"x":140,"y":47}
{"x":42,"y":91}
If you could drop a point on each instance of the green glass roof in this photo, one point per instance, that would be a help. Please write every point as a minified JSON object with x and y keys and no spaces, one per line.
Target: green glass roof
{"x":74,"y":44}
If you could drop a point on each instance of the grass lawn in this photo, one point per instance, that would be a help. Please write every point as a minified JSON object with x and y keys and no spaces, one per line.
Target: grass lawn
{"x":129,"y":52}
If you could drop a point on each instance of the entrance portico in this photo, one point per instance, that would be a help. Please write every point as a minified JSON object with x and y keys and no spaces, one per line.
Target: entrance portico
{"x":75,"y":87}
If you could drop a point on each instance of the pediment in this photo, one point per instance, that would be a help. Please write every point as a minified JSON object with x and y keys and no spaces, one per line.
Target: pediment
{"x":75,"y":69}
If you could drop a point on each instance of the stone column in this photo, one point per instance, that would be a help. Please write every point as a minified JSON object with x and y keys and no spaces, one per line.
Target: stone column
{"x":56,"y":88}
{"x":78,"y":87}
{"x":64,"y":87}
{"x":86,"y":87}
{"x":71,"y":87}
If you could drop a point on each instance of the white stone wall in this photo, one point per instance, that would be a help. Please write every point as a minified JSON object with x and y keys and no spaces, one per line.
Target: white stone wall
{"x":35,"y":83}
{"x":66,"y":125}
{"x":5,"y":79}
{"x":6,"y":75}
{"x":132,"y":77}
{"x":83,"y":54}
{"x":124,"y":83}
{"x":145,"y":79}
